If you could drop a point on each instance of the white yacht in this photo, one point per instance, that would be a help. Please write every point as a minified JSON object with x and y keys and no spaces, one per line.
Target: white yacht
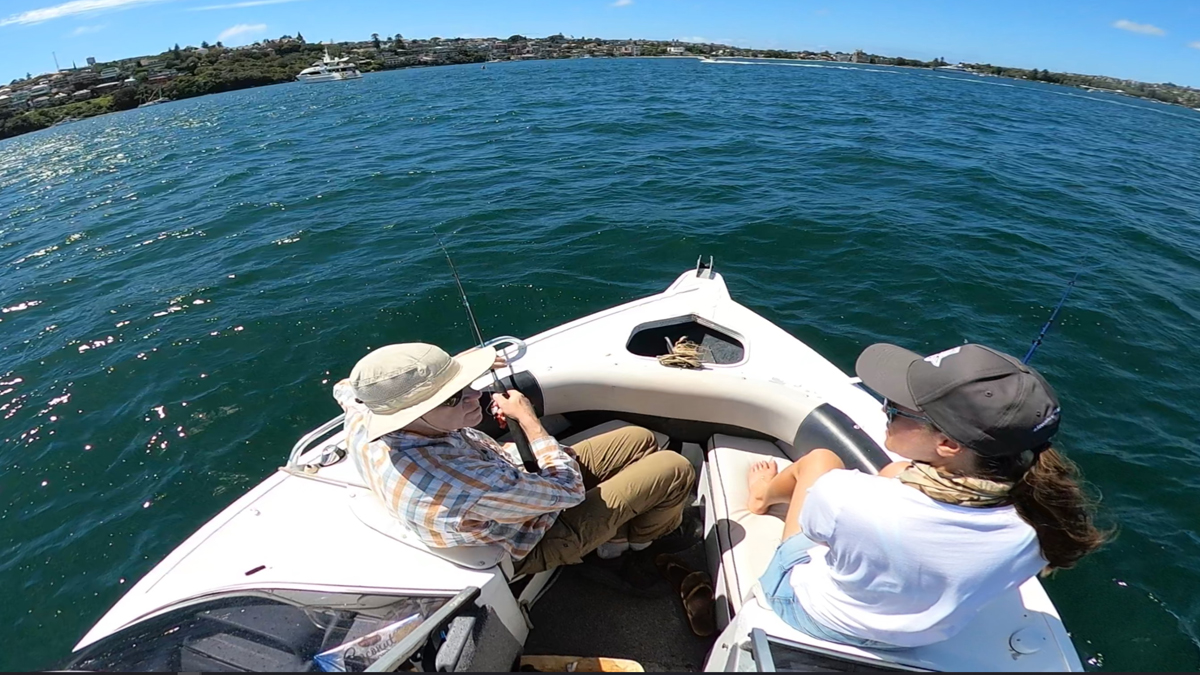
{"x":309,"y":564}
{"x":329,"y":69}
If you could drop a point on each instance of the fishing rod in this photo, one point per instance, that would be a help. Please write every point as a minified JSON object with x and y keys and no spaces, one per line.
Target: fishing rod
{"x":1038,"y":341}
{"x":524,"y":449}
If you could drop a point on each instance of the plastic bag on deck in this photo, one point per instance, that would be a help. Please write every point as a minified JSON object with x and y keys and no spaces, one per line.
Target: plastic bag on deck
{"x":357,"y":655}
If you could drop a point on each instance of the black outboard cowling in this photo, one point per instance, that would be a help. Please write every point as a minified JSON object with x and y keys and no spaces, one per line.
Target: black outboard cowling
{"x":828,"y":427}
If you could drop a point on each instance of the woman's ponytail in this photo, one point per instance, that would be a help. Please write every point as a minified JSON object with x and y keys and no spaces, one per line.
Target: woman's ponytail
{"x":1048,"y":495}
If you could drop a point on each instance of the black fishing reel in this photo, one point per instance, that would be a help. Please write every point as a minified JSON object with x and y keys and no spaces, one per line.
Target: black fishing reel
{"x":499,"y":388}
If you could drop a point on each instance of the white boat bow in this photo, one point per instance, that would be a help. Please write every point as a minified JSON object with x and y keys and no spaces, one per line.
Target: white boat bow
{"x":309,"y":557}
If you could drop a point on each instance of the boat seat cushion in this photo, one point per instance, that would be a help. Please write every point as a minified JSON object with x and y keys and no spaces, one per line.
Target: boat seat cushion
{"x":371,"y":512}
{"x":611,"y":425}
{"x":988,"y":641}
{"x":746,"y":541}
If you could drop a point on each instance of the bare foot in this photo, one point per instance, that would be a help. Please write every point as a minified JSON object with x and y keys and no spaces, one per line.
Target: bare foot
{"x":760,"y":478}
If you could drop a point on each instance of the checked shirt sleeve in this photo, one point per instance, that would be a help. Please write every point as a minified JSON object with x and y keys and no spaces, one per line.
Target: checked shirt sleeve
{"x":371,"y":458}
{"x":515,"y":496}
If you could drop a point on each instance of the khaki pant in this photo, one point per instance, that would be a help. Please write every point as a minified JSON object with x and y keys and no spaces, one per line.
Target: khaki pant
{"x":634,"y":492}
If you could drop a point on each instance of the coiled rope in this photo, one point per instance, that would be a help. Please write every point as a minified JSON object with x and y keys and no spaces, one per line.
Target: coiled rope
{"x":684,"y":354}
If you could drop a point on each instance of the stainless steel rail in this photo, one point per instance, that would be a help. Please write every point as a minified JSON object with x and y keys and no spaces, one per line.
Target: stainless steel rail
{"x":311,"y":438}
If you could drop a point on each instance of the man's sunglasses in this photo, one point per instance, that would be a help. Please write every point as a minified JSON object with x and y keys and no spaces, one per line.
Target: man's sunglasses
{"x":893,"y":412}
{"x":455,"y":399}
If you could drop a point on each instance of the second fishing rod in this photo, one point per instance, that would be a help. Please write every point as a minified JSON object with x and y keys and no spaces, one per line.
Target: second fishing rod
{"x":520,"y":439}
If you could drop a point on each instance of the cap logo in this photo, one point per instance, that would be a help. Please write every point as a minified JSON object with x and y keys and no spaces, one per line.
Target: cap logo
{"x":1052,"y":417}
{"x":936,"y":359}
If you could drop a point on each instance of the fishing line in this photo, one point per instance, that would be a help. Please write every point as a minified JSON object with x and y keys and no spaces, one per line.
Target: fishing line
{"x":1037,"y":342}
{"x":524,"y":449}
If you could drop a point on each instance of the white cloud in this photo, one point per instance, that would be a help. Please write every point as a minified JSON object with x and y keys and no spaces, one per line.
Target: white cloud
{"x":1143,"y":28}
{"x":238,"y":5}
{"x":84,"y":30}
{"x":622,"y":3}
{"x":695,"y":39}
{"x":1194,"y":45}
{"x":241,"y":29}
{"x":71,"y":9}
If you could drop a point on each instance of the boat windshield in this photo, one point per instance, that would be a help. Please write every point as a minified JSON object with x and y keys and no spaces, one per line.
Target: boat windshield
{"x":256,"y":633}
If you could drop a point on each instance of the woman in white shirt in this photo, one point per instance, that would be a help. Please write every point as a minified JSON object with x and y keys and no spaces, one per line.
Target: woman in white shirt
{"x":984,"y":504}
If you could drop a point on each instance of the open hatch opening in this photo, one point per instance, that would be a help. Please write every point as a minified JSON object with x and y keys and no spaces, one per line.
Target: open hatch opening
{"x":718,"y":345}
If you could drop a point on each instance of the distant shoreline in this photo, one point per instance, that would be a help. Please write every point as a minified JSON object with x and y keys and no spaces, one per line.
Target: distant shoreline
{"x":1088,"y":88}
{"x":186,"y":73}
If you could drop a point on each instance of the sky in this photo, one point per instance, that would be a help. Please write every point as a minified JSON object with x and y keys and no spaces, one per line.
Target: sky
{"x":1149,"y":41}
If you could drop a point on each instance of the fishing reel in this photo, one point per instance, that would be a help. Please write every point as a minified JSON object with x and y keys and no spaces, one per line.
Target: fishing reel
{"x":498,"y":388}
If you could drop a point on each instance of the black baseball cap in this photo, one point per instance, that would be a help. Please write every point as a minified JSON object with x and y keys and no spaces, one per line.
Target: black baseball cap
{"x":986,"y":400}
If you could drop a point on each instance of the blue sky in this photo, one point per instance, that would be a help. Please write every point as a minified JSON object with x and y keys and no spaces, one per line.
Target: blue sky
{"x":1149,"y":41}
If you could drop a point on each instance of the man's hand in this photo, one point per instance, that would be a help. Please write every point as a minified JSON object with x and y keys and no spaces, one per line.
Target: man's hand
{"x":500,"y":361}
{"x":514,"y":405}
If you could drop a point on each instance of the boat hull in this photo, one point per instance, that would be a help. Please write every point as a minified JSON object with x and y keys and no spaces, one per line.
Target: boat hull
{"x":764,"y":384}
{"x":329,"y":77}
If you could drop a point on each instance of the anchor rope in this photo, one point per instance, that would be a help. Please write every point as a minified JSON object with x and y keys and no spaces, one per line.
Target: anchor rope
{"x":684,"y":354}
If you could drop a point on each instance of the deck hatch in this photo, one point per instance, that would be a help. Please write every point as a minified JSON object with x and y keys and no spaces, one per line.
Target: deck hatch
{"x":721,"y":346}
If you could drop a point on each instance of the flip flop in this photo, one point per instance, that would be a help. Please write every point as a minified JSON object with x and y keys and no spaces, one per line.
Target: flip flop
{"x":696,"y":591}
{"x":672,"y":568}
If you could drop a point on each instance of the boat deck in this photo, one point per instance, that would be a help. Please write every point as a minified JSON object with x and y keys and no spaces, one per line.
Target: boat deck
{"x":578,"y":617}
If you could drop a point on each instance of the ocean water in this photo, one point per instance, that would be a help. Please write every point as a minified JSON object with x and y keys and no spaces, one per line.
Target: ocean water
{"x":182,"y":284}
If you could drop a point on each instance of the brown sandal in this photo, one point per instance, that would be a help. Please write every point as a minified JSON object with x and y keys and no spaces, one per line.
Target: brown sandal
{"x":672,"y":568}
{"x":696,"y":591}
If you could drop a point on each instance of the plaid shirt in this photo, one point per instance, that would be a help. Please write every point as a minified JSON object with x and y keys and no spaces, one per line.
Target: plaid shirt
{"x":462,"y":488}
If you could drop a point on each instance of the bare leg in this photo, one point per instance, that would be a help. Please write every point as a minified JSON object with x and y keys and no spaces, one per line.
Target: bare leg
{"x":821,"y":462}
{"x":769,"y":486}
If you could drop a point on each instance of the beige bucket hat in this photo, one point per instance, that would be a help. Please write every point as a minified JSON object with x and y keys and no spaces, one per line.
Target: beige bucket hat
{"x":399,"y":383}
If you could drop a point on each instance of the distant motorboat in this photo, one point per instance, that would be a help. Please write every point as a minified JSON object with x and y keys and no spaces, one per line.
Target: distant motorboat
{"x":154,"y":101}
{"x":329,"y":69}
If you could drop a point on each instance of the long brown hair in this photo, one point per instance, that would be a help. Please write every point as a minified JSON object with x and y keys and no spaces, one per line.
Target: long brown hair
{"x":1048,"y":493}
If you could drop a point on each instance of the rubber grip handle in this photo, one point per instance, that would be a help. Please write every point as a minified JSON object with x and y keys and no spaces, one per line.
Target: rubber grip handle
{"x":524,"y":449}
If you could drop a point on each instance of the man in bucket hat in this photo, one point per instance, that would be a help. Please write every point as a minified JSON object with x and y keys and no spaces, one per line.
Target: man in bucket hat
{"x":410,"y":410}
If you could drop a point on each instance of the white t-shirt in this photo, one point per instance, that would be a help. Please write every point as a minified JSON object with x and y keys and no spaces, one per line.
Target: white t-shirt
{"x":902,"y":568}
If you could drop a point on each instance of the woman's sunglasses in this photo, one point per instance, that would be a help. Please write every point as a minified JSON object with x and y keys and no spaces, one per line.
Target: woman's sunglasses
{"x":893,"y":412}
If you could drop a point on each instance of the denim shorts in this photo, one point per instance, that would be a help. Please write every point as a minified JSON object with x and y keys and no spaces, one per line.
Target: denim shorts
{"x":777,"y":587}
